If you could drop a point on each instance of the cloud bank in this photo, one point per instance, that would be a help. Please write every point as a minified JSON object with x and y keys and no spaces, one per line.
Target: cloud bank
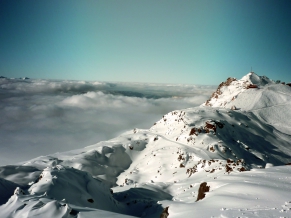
{"x":40,"y":117}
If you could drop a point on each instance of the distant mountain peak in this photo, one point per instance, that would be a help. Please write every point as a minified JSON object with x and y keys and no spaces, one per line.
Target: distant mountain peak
{"x":229,"y":90}
{"x":255,"y":79}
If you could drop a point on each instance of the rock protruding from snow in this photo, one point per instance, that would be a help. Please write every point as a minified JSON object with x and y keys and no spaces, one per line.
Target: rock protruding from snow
{"x":6,"y":190}
{"x":220,"y":90}
{"x":19,"y":191}
{"x":203,"y":188}
{"x":81,"y":188}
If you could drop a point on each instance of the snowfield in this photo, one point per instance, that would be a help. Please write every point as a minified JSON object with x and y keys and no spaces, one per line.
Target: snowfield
{"x":230,"y":157}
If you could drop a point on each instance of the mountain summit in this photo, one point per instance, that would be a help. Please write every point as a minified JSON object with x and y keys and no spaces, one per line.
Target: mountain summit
{"x":255,"y":94}
{"x":229,"y":90}
{"x":229,"y":157}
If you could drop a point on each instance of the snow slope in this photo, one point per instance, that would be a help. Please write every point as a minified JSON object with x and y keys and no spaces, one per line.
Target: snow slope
{"x":227,"y":158}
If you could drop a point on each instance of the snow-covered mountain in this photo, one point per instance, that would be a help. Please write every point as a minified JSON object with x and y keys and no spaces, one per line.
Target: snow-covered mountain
{"x":229,"y":157}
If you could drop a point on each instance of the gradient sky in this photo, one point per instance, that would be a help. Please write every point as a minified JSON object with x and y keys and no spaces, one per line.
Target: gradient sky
{"x":161,"y":41}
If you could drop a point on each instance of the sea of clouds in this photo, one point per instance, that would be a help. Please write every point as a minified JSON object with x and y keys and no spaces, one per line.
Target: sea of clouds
{"x":40,"y":117}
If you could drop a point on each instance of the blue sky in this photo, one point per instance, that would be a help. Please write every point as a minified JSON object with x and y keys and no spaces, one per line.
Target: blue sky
{"x":191,"y":42}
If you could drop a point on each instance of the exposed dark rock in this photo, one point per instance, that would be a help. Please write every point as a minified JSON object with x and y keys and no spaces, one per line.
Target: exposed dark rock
{"x":218,"y":91}
{"x":74,"y":212}
{"x":252,"y":86}
{"x":193,"y":132}
{"x":165,"y":213}
{"x":90,"y":200}
{"x":202,"y":189}
{"x":181,"y":165}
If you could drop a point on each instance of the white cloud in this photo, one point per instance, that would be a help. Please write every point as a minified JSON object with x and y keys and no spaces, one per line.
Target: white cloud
{"x":40,"y":117}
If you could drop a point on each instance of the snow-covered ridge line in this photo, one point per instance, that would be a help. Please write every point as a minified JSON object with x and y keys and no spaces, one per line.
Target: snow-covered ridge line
{"x":229,"y":90}
{"x":239,"y":156}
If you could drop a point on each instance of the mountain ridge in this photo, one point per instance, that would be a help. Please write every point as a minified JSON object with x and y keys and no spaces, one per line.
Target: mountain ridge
{"x":232,"y":143}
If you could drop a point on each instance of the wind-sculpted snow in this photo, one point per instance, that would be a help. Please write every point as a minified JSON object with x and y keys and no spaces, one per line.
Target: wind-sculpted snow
{"x":21,"y":175}
{"x":56,"y":189}
{"x":231,"y":159}
{"x":6,"y":189}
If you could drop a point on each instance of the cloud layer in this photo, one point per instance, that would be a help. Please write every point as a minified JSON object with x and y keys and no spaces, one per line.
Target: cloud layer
{"x":40,"y":117}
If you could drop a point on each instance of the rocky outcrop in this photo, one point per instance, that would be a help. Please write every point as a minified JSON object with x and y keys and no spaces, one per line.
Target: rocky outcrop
{"x":202,"y":190}
{"x":165,"y":213}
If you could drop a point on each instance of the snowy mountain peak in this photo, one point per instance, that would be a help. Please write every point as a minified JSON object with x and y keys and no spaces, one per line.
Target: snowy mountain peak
{"x":207,"y":160}
{"x":229,"y":90}
{"x":253,"y":78}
